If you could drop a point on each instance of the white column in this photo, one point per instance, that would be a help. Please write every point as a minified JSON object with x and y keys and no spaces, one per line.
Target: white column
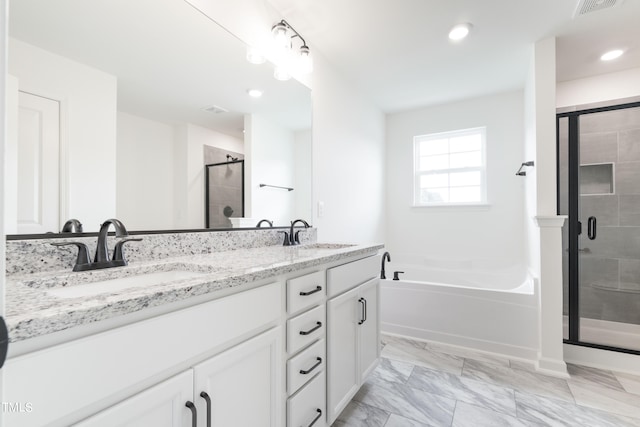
{"x":550,"y":356}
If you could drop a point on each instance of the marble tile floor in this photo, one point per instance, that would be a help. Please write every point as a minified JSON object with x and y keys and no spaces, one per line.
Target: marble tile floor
{"x":421,"y":384}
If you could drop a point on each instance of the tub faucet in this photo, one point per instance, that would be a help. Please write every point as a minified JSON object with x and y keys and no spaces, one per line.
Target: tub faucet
{"x":385,"y":256}
{"x":296,"y":240}
{"x":71,"y":225}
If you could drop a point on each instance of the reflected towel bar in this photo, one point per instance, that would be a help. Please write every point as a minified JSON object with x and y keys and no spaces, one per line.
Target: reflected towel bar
{"x":276,"y":186}
{"x":520,"y":171}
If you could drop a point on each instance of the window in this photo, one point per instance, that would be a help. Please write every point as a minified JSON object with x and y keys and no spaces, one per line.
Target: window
{"x":450,"y":168}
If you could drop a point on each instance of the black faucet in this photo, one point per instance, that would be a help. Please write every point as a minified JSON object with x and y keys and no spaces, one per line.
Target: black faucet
{"x":71,"y":225}
{"x":385,"y":256}
{"x":295,"y":240}
{"x":101,"y":259}
{"x":264,"y":220}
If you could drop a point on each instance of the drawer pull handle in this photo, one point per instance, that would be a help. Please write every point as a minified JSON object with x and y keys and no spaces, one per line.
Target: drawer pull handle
{"x":363,"y":315}
{"x":318,"y":363}
{"x":319,"y":411}
{"x":194,"y":413}
{"x":315,"y":328}
{"x":317,"y":289}
{"x":205,"y":396}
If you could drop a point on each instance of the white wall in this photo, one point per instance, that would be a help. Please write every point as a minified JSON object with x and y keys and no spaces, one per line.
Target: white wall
{"x":348,"y":160}
{"x":605,"y":87}
{"x":532,"y":236}
{"x":188,"y":166}
{"x":88,"y":128}
{"x":144,"y":173}
{"x":494,"y":232}
{"x":3,"y":73}
{"x":303,"y":175}
{"x":269,"y":151}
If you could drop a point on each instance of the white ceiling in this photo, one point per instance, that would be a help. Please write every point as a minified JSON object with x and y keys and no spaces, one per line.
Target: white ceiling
{"x":398,"y":54}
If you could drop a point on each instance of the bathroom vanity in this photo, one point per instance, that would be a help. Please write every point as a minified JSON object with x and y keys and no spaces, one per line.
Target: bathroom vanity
{"x":250,"y":337}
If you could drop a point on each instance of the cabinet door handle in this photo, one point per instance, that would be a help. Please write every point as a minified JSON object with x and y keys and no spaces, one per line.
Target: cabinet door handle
{"x":315,"y":328}
{"x":365,"y":310}
{"x":362,"y":315}
{"x":194,"y":413}
{"x":317,"y":289}
{"x":318,"y":363}
{"x":205,"y":396}
{"x":319,"y":411}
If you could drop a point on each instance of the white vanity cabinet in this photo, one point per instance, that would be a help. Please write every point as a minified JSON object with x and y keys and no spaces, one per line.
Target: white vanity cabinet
{"x":238,"y":387}
{"x":353,"y":344}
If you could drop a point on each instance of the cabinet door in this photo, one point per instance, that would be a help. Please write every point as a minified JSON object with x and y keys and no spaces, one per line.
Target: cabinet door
{"x":162,"y":405}
{"x":343,"y":314}
{"x":368,"y":330}
{"x":243,"y":384}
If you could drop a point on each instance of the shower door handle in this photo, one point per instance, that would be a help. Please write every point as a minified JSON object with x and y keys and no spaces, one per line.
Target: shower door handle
{"x":591,"y":228}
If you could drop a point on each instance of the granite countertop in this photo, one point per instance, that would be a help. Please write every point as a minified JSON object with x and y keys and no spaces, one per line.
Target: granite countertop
{"x":32,"y":311}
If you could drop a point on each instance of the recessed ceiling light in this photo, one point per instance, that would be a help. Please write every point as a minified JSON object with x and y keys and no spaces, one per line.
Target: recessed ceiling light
{"x":254,"y":93}
{"x":460,"y":31}
{"x":612,"y":54}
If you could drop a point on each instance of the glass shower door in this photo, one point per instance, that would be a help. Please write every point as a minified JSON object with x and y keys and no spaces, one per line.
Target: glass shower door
{"x":599,"y":188}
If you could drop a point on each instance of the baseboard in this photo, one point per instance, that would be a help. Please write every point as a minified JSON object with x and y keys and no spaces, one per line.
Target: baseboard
{"x":490,"y":347}
{"x":552,"y":367}
{"x":602,"y":359}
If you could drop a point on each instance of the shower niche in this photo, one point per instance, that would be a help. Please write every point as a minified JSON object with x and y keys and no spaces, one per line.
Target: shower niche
{"x":596,"y":179}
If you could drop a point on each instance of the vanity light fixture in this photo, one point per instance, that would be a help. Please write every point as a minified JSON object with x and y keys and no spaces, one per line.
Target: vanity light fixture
{"x":460,"y":31}
{"x":283,"y":34}
{"x":612,"y":54}
{"x":254,"y":93}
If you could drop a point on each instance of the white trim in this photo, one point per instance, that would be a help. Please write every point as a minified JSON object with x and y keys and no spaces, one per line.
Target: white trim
{"x":602,"y":359}
{"x":550,"y":221}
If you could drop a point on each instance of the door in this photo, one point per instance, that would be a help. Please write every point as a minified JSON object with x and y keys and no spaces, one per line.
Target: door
{"x":243,"y":384}
{"x":37,"y":183}
{"x":163,"y":405}
{"x":599,"y":188}
{"x":368,"y":330}
{"x":343,"y":315}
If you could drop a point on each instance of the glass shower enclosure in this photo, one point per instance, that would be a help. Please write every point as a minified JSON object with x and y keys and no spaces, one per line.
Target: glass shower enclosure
{"x":599,"y":189}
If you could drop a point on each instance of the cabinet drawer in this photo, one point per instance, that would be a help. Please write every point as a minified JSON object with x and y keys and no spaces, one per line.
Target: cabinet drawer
{"x":305,"y":365}
{"x":305,"y":291}
{"x":307,"y":408}
{"x":305,"y":328}
{"x":347,"y":276}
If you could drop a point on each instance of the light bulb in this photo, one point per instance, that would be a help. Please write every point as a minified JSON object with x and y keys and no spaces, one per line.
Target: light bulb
{"x":280,"y":35}
{"x":305,"y":62}
{"x":255,"y":56}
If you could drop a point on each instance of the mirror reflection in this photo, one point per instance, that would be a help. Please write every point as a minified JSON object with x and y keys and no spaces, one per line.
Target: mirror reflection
{"x":116,"y":107}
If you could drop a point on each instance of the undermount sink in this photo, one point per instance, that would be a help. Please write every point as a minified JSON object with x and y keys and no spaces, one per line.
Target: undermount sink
{"x":118,"y":284}
{"x":327,"y":246}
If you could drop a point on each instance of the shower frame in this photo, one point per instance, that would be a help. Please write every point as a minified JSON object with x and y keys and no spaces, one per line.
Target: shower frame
{"x":574,"y":225}
{"x":207,"y":189}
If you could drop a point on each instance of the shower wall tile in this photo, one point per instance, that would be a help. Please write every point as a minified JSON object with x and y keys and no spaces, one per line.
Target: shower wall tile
{"x":616,"y":242}
{"x":598,"y":147}
{"x":604,"y":208}
{"x":598,"y":270}
{"x":629,"y":145}
{"x":627,"y":178}
{"x":610,"y":121}
{"x":630,"y":271}
{"x":630,"y":210}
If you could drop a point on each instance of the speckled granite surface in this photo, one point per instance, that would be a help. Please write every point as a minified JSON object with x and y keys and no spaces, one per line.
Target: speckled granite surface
{"x":31,"y":311}
{"x":37,"y":256}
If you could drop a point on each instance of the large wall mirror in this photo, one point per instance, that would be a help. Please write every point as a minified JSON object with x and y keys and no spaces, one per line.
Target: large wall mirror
{"x":115,"y":107}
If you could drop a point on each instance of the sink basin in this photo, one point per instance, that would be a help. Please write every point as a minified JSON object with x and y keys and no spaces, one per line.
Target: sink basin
{"x":327,"y":246}
{"x":118,"y":284}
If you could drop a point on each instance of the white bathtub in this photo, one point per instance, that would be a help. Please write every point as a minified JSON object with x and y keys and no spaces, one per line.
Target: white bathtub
{"x":467,"y":303}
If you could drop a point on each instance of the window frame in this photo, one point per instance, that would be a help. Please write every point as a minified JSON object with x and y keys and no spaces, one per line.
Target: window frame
{"x":417,"y":173}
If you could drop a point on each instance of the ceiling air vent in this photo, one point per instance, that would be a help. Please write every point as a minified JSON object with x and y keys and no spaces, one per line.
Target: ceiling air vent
{"x":215,"y":109}
{"x":588,"y":6}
